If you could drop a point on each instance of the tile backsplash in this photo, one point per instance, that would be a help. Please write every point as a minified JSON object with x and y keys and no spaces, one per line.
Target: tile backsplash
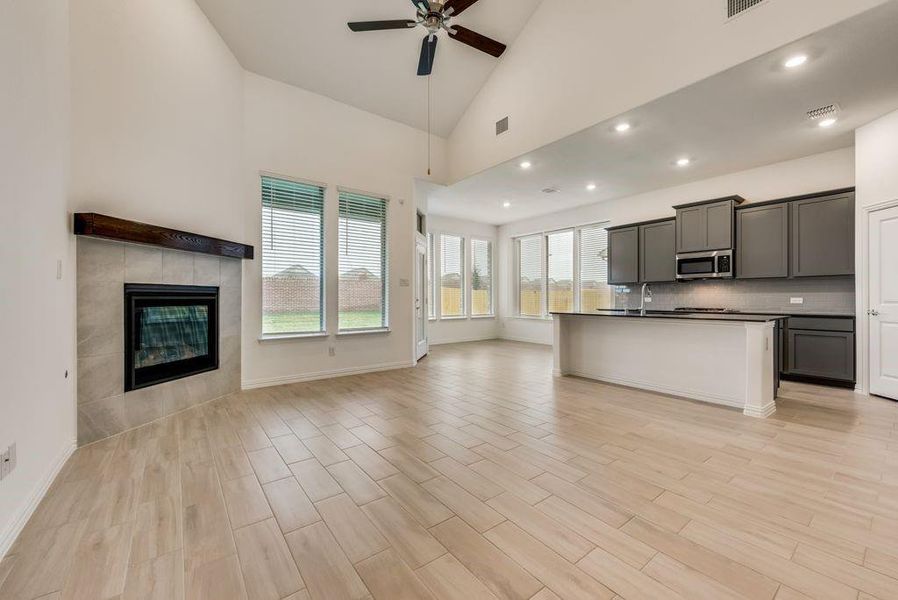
{"x":825,"y":295}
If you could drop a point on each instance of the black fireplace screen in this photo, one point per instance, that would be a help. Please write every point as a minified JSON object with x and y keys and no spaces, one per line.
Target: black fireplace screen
{"x":170,"y":332}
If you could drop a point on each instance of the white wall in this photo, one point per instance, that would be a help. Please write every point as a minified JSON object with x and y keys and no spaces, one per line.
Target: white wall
{"x":877,"y":181}
{"x":37,"y":314}
{"x":815,"y":173}
{"x":467,"y":329}
{"x":580,"y":62}
{"x":157,"y":108}
{"x":297,"y":133}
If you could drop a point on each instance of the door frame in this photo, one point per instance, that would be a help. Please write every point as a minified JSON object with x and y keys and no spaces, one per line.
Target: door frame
{"x":862,"y":292}
{"x":420,"y":248}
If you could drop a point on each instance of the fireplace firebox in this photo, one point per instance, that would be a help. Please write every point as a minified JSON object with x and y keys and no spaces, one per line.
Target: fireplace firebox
{"x":171,"y":332}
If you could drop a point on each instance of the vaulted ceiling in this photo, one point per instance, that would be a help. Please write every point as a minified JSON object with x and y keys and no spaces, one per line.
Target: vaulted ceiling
{"x":307,"y":43}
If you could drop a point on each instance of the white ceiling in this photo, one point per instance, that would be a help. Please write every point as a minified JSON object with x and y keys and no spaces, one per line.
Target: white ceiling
{"x":306,"y":43}
{"x":748,"y":116}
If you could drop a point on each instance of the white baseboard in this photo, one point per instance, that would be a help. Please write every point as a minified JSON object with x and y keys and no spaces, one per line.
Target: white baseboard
{"x":761,"y":413}
{"x":15,"y":526}
{"x":660,"y":389}
{"x":477,"y":338}
{"x":524,"y":339}
{"x":250,"y":384}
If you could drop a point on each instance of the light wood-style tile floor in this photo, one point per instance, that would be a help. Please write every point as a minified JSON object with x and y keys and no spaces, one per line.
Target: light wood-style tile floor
{"x":476,"y":475}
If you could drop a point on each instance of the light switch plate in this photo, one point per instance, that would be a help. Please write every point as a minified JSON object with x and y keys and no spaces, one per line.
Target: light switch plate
{"x":5,"y":464}
{"x":403,"y":283}
{"x":796,"y":300}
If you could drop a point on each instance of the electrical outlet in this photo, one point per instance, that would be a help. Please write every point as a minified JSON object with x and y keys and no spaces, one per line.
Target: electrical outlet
{"x":403,"y":283}
{"x":5,"y":465}
{"x":796,"y":300}
{"x":331,"y":351}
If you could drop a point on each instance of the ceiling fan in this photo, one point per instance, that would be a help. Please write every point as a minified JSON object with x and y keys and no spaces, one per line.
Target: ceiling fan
{"x":434,"y":16}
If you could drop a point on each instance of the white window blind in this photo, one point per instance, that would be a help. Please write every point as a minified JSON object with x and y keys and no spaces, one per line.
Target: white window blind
{"x":452,"y":274}
{"x":362,"y":262}
{"x":530,"y":273}
{"x":292,"y":257}
{"x":594,"y":290}
{"x":560,"y":259}
{"x":431,"y":305}
{"x":481,"y":277}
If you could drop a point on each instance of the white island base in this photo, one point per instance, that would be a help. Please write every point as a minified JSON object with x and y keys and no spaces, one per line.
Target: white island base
{"x":729,"y":362}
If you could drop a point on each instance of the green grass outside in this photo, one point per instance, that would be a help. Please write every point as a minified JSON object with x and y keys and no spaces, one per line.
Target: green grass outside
{"x":304,"y":322}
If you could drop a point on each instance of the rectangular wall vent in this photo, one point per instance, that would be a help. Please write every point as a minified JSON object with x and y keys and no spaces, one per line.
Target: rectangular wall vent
{"x":501,"y":126}
{"x":736,"y":7}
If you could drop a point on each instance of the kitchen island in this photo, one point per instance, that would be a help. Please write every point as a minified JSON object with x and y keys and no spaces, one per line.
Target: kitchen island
{"x":727,"y":359}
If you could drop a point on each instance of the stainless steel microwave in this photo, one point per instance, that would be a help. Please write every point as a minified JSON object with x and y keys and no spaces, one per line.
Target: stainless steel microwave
{"x":717,"y":264}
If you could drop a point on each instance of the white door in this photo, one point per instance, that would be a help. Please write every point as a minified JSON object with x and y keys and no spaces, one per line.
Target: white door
{"x":883,"y":312}
{"x":420,"y":301}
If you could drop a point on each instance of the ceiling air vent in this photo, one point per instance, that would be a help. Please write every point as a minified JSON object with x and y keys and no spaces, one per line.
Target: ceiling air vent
{"x":737,"y":7}
{"x":824,"y":112}
{"x":550,"y":190}
{"x":501,"y":126}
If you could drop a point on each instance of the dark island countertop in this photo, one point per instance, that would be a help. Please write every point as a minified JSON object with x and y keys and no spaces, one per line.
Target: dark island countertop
{"x":683,"y":316}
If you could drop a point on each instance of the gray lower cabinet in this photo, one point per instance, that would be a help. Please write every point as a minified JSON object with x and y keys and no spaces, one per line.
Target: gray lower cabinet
{"x":623,"y":255}
{"x":658,"y":252}
{"x":762,"y":241}
{"x":823,"y":236}
{"x":820,"y":348}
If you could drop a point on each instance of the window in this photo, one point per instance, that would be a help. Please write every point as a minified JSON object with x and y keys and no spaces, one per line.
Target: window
{"x":431,"y":305}
{"x":452,"y":274}
{"x":595,"y":293}
{"x":362,"y":262}
{"x":571,"y":276}
{"x":530,"y":274}
{"x":481,"y":278}
{"x":560,"y":272}
{"x":292,"y":257}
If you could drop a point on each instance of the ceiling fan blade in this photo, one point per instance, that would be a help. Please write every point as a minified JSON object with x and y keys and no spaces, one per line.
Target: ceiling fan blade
{"x":428,"y":51}
{"x":379,"y":25}
{"x":421,"y":5}
{"x":457,"y":6}
{"x":476,"y":40}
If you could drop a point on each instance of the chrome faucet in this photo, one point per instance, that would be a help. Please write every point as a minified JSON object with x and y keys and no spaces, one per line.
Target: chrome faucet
{"x":646,"y":293}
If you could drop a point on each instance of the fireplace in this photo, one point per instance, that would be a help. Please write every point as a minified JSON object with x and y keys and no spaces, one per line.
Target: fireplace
{"x":171,"y":332}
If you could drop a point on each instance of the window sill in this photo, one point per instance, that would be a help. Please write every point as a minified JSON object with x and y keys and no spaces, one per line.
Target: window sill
{"x":483,"y":316}
{"x":454,"y":318}
{"x":351,"y":332}
{"x":278,"y":337}
{"x":526,"y":318}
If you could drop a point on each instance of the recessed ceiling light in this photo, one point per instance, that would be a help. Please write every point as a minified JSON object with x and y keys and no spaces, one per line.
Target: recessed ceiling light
{"x":506,"y":204}
{"x":683,"y":162}
{"x":590,"y":186}
{"x":827,"y":122}
{"x":796,"y":61}
{"x":526,"y":164}
{"x":622,"y":127}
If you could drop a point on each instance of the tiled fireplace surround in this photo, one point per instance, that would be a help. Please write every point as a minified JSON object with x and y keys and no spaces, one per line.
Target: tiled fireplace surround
{"x":103,"y":269}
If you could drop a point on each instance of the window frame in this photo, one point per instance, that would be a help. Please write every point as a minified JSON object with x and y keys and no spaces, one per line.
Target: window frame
{"x":544,"y":263}
{"x":323,"y":298}
{"x":385,"y":264}
{"x":463,"y":276}
{"x":492,"y":288}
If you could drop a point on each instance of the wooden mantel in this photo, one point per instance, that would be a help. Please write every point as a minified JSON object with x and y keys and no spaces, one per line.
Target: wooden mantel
{"x":112,"y":228}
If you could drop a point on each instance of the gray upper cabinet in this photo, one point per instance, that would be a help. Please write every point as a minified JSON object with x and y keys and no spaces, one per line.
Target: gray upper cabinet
{"x":762,"y":241}
{"x":691,"y":229}
{"x":658,"y":252}
{"x":623,"y":255}
{"x":823,"y":236}
{"x":706,"y":226}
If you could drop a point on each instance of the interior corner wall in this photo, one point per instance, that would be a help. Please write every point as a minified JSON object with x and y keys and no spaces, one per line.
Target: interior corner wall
{"x":580,"y":62}
{"x":876,"y":147}
{"x":293,"y":132}
{"x":37,"y":320}
{"x":819,"y":172}
{"x":463,"y":329}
